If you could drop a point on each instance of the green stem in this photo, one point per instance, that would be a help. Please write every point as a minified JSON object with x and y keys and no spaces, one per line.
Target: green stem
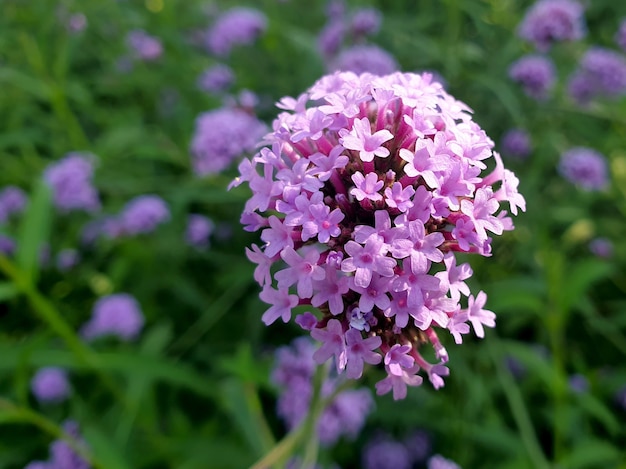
{"x":518,"y":409}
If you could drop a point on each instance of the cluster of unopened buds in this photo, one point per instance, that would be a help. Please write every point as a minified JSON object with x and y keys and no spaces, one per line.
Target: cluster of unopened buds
{"x":364,"y":191}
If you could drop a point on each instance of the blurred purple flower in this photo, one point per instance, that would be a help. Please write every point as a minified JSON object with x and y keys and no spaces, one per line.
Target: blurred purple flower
{"x":515,"y":367}
{"x":143,"y":214}
{"x":620,"y":398}
{"x":76,"y":23}
{"x":584,"y":167}
{"x":50,"y":384}
{"x":13,"y":200}
{"x":199,"y":228}
{"x":331,"y":37}
{"x":67,"y":259}
{"x":550,"y":21}
{"x":536,"y":74}
{"x":516,"y":143}
{"x":578,"y":383}
{"x":601,"y":247}
{"x":221,"y":136}
{"x":71,"y":181}
{"x":144,"y":46}
{"x":335,"y":8}
{"x":385,"y":453}
{"x":439,"y":462}
{"x":216,"y":79}
{"x":366,"y":21}
{"x":620,"y":36}
{"x":237,"y":26}
{"x":7,"y":245}
{"x":62,"y":455}
{"x":418,"y":444}
{"x":601,"y":73}
{"x":117,"y":315}
{"x":365,"y":58}
{"x":293,"y":372}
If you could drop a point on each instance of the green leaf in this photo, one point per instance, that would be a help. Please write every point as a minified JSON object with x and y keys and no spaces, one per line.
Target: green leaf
{"x":34,"y":230}
{"x":594,"y":407}
{"x":7,"y":291}
{"x":580,"y":278}
{"x":103,"y":448}
{"x":591,"y":454}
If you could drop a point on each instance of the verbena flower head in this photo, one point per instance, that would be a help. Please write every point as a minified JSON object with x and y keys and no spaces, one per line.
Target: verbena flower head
{"x":601,"y":73}
{"x":13,"y":200}
{"x":362,"y":199}
{"x":67,"y":259}
{"x":385,"y":453}
{"x":115,"y":315}
{"x":439,"y":462}
{"x":221,"y":136}
{"x":584,"y":167}
{"x":50,"y":384}
{"x":216,"y":79}
{"x":344,"y":416}
{"x":62,"y":455}
{"x":620,"y":36}
{"x":364,"y":58}
{"x":7,"y":245}
{"x":237,"y":26}
{"x":550,"y":21}
{"x":199,"y":229}
{"x":536,"y":74}
{"x":331,"y":37}
{"x":516,"y":143}
{"x":366,"y":21}
{"x":71,"y":181}
{"x":144,"y":46}
{"x":143,"y":214}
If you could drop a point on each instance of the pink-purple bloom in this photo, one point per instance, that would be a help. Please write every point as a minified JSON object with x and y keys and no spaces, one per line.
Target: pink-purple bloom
{"x":199,"y":229}
{"x":13,"y":200}
{"x":536,"y":74}
{"x":601,"y":73}
{"x":364,"y":58}
{"x":143,"y":46}
{"x":67,"y":259}
{"x":234,"y":27}
{"x":516,"y":143}
{"x":439,"y":462}
{"x":601,"y":247}
{"x":50,"y":384}
{"x":117,"y":315}
{"x":550,"y":21}
{"x":71,"y":182}
{"x":216,"y":79}
{"x":221,"y":136}
{"x":62,"y":455}
{"x":402,"y":168}
{"x":584,"y":167}
{"x":365,"y":21}
{"x":143,"y":214}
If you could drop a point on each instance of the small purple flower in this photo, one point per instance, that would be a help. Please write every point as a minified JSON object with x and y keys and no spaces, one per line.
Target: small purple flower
{"x":536,"y":74}
{"x":584,"y":167}
{"x":418,"y":445}
{"x":13,"y":200}
{"x":71,"y":181}
{"x":216,"y":79}
{"x":7,"y":245}
{"x":578,"y":384}
{"x":50,"y":384}
{"x":366,"y":21}
{"x":331,"y":37}
{"x":365,"y":59}
{"x":516,"y":143}
{"x":550,"y":21}
{"x":199,"y":229}
{"x":361,"y":139}
{"x":601,"y":247}
{"x":385,"y":453}
{"x":601,"y":73}
{"x":439,"y":462}
{"x":67,"y":259}
{"x":62,"y":455}
{"x":143,"y":214}
{"x":620,"y":36}
{"x":117,"y":315}
{"x":237,"y":26}
{"x":221,"y":136}
{"x":144,"y":46}
{"x":76,"y":23}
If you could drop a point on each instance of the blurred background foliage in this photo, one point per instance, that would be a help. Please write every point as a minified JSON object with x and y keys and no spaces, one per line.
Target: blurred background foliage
{"x":193,"y":391}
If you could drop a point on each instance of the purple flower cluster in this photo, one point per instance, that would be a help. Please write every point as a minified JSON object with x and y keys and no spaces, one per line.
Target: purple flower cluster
{"x":62,"y":455}
{"x":50,"y":384}
{"x":199,"y":229}
{"x":221,"y":135}
{"x":362,"y":199}
{"x":536,"y":74}
{"x":216,"y":79}
{"x":550,"y":21}
{"x":439,"y":462}
{"x":115,"y":315}
{"x":13,"y":200}
{"x":364,"y":58}
{"x":366,"y":21}
{"x":71,"y":181}
{"x":237,"y":26}
{"x":584,"y":167}
{"x":143,"y":214}
{"x":144,"y":46}
{"x":516,"y":143}
{"x":384,"y":452}
{"x":601,"y":73}
{"x":620,"y":36}
{"x":344,"y":416}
